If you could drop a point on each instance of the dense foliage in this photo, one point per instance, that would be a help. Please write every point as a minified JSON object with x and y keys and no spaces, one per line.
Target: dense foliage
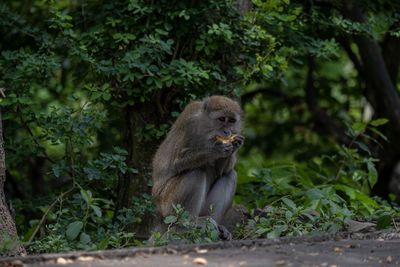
{"x":91,"y":88}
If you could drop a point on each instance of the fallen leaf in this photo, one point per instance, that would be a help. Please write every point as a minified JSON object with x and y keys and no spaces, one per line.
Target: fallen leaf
{"x":200,"y":261}
{"x":280,"y":263}
{"x":63,"y":261}
{"x":338,"y":250}
{"x":85,"y":258}
{"x":201,"y":251}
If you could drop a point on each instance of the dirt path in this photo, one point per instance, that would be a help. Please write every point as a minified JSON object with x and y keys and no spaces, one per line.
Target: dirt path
{"x":320,"y":251}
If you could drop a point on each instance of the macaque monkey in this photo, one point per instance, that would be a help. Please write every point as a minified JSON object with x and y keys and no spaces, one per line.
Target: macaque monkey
{"x":194,"y":166}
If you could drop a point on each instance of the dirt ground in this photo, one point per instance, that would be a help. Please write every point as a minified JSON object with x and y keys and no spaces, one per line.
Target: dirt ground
{"x":378,"y":249}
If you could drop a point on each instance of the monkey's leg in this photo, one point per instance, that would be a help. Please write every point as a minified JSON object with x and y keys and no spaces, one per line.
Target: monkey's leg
{"x":188,"y":190}
{"x":220,"y":196}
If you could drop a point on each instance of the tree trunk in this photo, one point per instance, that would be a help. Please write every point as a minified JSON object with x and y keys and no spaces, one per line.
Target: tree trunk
{"x":244,"y":6}
{"x":9,"y":244}
{"x":379,"y":70}
{"x":140,"y":154}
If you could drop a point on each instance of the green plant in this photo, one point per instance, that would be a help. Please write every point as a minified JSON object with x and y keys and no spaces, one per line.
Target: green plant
{"x":86,"y":222}
{"x":183,"y":227}
{"x":318,"y":196}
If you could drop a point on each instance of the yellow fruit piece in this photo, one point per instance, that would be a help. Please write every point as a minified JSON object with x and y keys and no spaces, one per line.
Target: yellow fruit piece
{"x":226,"y":139}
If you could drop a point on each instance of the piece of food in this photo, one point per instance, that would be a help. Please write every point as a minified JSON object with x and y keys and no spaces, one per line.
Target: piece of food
{"x":226,"y":139}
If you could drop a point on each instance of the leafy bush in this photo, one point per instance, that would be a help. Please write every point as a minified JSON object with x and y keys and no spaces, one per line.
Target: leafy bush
{"x":87,"y":222}
{"x":182,"y":227}
{"x":316,"y":196}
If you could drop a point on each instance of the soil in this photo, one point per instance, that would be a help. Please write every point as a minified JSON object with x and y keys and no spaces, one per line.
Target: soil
{"x":345,"y":249}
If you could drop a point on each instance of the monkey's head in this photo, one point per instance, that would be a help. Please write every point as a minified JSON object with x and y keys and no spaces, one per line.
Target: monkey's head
{"x":224,"y":115}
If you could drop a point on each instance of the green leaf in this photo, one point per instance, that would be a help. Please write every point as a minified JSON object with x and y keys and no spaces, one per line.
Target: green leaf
{"x":96,"y":210}
{"x":86,"y":195}
{"x":350,"y":192}
{"x":372,"y":173}
{"x":381,"y":135}
{"x":170,"y":219}
{"x":132,"y":170}
{"x":84,"y":238}
{"x":74,"y":229}
{"x":363,"y":147}
{"x":277,"y":232}
{"x":314,"y":194}
{"x":359,"y":126}
{"x":103,"y":244}
{"x":214,"y":235}
{"x":384,"y":222}
{"x":369,"y":203}
{"x":289,"y":203}
{"x":57,"y":170}
{"x":261,"y":231}
{"x":379,"y":122}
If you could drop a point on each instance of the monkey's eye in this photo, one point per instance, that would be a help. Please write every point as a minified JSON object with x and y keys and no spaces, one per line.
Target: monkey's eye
{"x":221,"y":119}
{"x":232,"y":120}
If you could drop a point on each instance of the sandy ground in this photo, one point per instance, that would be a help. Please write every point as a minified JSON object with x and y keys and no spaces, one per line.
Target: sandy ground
{"x":320,"y":251}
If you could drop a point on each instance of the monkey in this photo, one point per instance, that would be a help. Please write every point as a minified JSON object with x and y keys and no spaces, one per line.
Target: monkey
{"x":194,"y":165}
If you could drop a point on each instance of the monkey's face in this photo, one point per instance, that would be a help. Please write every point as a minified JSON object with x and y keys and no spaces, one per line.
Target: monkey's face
{"x":221,"y":117}
{"x":225,"y":123}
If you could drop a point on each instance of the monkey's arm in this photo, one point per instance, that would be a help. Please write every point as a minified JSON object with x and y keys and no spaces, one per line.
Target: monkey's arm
{"x":227,"y":164}
{"x":223,"y":153}
{"x":191,"y":158}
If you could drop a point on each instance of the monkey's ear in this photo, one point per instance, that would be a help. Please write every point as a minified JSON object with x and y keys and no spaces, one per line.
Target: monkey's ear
{"x":206,"y":104}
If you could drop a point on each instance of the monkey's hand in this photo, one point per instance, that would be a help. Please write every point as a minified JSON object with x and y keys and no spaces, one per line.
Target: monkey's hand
{"x":223,"y":149}
{"x":238,"y":142}
{"x":224,"y":233}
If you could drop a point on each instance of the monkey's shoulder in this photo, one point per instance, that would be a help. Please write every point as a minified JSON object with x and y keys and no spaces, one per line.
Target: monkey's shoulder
{"x":188,"y":118}
{"x":193,"y":107}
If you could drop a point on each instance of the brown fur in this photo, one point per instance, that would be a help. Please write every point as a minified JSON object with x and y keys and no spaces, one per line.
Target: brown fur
{"x":192,"y":167}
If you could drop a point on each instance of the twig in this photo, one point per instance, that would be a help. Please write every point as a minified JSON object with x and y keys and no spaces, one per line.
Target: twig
{"x":175,"y":50}
{"x":343,"y":161}
{"x":43,"y":219}
{"x":45,"y":155}
{"x":395,"y":224}
{"x":3,"y":95}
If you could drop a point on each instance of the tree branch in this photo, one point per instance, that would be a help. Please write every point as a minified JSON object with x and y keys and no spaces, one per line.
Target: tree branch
{"x":25,"y":124}
{"x":368,"y":91}
{"x":390,"y":52}
{"x":43,"y":219}
{"x":381,"y":87}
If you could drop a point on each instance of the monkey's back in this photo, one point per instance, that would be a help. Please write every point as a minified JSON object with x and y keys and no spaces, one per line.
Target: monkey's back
{"x":176,"y":140}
